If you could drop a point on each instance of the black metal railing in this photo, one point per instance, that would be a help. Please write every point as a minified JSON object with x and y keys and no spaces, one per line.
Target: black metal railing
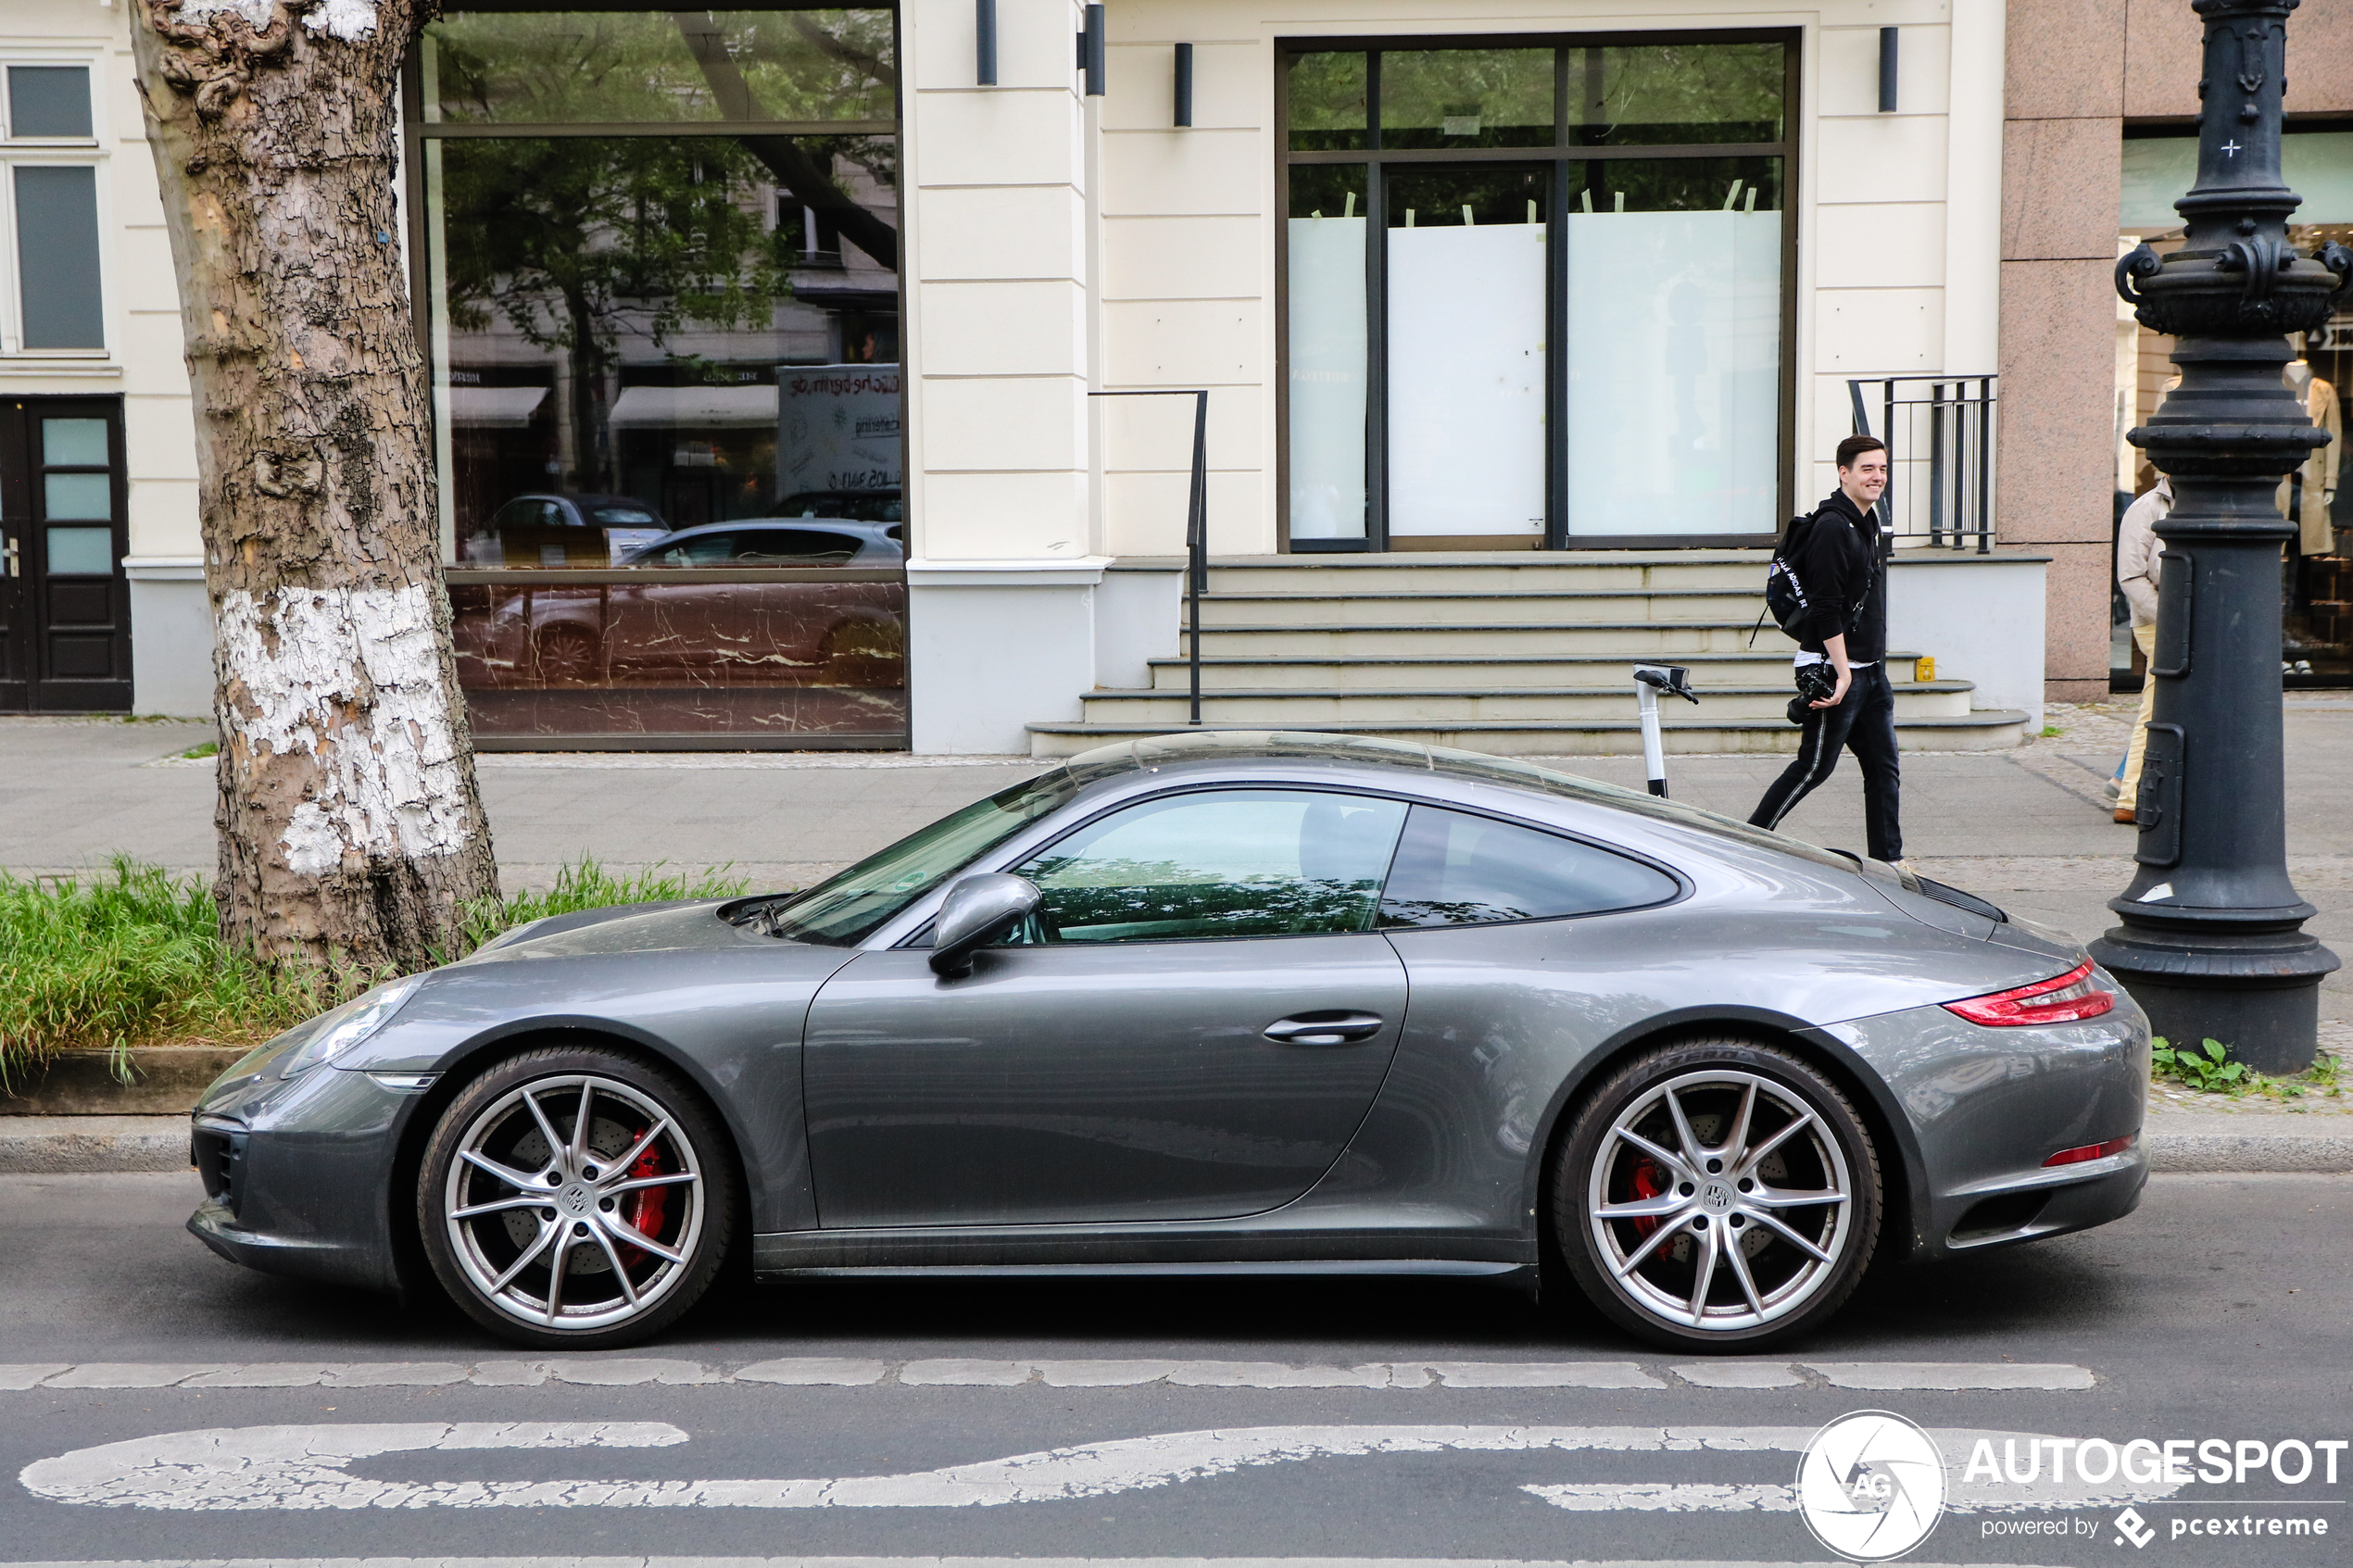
{"x":1196,"y":528}
{"x":1938,"y":432}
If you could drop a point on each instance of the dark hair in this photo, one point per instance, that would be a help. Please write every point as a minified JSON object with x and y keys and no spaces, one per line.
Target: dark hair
{"x":1854,"y":446}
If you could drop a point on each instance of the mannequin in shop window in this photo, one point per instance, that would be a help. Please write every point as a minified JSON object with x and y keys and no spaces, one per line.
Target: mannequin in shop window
{"x":2307,"y":494}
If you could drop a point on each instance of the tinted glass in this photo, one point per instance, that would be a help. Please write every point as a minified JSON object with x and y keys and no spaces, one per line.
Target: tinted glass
{"x":1327,"y":102}
{"x":77,"y":495}
{"x":806,"y":546}
{"x":1454,"y":869}
{"x":57,"y":257}
{"x":1677,"y":92}
{"x":73,"y":442}
{"x":1222,"y":863}
{"x":849,"y":906}
{"x":81,"y":552}
{"x":549,"y":67}
{"x":625,"y":517}
{"x":48,"y":101}
{"x":1466,"y":98}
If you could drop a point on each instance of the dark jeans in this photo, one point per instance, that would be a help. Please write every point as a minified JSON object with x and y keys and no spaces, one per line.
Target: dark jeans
{"x":1864,"y":724}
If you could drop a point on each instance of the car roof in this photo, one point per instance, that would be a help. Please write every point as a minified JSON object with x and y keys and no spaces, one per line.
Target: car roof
{"x":801,"y":524}
{"x":1220,"y":751}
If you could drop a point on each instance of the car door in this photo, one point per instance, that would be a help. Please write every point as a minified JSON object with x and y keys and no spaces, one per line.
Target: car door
{"x":1193,"y":1029}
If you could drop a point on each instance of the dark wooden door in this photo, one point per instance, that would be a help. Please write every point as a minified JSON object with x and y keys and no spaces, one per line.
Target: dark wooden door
{"x":65,"y":604}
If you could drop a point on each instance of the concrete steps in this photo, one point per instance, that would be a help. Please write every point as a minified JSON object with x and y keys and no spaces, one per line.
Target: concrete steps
{"x":1513,"y":652}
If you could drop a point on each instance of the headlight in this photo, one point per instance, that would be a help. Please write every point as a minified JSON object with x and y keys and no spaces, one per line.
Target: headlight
{"x":350,"y":1023}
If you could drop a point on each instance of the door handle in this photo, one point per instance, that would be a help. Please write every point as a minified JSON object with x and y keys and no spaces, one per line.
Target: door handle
{"x":13,"y":569}
{"x":1331,"y":1027}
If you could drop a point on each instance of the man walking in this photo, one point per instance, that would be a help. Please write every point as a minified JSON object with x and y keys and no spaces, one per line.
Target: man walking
{"x":2137,"y":555}
{"x":1845,"y":577}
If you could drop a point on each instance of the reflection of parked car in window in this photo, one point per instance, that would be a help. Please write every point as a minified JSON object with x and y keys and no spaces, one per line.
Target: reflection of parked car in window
{"x":862,"y":505}
{"x":660,"y":618}
{"x":842,"y":543}
{"x":557,"y":530}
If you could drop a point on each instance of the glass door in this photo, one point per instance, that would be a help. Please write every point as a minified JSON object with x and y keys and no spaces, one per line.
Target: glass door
{"x":1466,"y":356}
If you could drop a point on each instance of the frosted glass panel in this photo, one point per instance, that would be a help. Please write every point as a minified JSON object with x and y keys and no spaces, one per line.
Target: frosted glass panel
{"x":1467,"y":379}
{"x":1327,"y":368}
{"x":81,"y":552}
{"x":77,"y":495}
{"x":1674,"y":371}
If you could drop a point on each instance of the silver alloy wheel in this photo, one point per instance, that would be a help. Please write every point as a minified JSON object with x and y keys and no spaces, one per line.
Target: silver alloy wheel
{"x":1684,"y":1212}
{"x":546,"y":1197}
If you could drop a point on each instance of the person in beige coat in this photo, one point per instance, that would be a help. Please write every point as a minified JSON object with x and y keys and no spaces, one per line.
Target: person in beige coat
{"x":2138,"y":557}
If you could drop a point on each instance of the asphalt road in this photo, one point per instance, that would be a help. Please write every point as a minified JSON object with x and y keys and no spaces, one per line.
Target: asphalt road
{"x":864,"y":1418}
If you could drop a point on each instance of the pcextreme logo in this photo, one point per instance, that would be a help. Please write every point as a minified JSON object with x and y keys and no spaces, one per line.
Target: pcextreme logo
{"x":1871,"y":1485}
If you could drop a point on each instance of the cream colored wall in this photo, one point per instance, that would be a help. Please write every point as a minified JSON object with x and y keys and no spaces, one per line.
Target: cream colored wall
{"x":1168,"y":279}
{"x":143,"y":359}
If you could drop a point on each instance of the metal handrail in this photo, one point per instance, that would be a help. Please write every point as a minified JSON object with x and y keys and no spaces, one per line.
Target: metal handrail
{"x":1196,"y":526}
{"x":1959,"y":441}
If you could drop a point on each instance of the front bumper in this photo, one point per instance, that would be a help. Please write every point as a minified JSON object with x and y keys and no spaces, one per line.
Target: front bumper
{"x":298,"y":1173}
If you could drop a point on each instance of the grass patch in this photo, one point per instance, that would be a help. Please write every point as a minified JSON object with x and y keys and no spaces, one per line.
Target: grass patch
{"x":132,"y":955}
{"x":209,"y":748}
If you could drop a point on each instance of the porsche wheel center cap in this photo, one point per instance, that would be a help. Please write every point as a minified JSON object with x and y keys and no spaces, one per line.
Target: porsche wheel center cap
{"x":575,"y":1201}
{"x":1715,"y":1197}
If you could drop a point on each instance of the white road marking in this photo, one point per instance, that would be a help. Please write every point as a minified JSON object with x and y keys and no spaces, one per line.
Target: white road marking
{"x":1739,"y":1375}
{"x":1948,"y":1375}
{"x":1608,"y":1497}
{"x":855,"y":1371}
{"x":308,"y":1468}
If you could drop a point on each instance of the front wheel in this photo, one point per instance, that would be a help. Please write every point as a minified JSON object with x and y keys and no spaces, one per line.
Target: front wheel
{"x":575,"y":1200}
{"x":1721,"y":1195}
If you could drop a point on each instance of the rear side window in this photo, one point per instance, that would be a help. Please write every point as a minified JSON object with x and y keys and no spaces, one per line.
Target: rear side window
{"x":1454,"y":869}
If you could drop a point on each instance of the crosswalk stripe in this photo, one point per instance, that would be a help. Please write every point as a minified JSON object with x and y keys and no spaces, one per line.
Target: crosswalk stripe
{"x":973,"y":1373}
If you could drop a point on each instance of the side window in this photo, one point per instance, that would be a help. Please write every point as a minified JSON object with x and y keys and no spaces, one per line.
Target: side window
{"x":1243,"y":862}
{"x":1454,"y":869}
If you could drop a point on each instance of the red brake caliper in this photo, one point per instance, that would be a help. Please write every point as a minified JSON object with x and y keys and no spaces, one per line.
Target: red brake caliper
{"x":646,"y":1204}
{"x":1649,"y":1182}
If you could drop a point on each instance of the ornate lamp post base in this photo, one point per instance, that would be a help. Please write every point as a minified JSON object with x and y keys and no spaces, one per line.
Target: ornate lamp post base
{"x":2212,"y":942}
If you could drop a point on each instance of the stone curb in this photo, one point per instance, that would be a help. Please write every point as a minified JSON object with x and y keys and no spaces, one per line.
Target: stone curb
{"x":84,"y":1145}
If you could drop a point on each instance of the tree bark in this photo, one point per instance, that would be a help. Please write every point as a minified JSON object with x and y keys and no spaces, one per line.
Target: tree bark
{"x":351,"y":829}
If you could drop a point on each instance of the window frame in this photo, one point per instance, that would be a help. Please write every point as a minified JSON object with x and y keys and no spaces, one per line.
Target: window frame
{"x":1016,"y":853}
{"x":53,"y":152}
{"x":1556,"y":157}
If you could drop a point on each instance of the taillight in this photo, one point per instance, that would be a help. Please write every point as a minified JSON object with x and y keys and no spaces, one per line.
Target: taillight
{"x":2094,"y":1150}
{"x":2063,"y":998}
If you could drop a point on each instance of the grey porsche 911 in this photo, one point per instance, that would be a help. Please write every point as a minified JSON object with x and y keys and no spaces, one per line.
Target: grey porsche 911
{"x":1227,"y":1002}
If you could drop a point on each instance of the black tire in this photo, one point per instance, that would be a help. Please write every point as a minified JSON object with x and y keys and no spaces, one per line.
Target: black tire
{"x":1664,"y":1135}
{"x":640,"y":1212}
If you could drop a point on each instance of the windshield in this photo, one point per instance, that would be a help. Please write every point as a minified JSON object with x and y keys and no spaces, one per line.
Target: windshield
{"x":850,"y":906}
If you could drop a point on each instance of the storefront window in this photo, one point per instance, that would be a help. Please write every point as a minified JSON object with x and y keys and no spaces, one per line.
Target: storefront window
{"x":1563,"y":341}
{"x":2316,"y":584}
{"x":665,"y":367}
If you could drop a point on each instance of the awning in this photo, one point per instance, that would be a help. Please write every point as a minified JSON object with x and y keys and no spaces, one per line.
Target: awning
{"x":688,"y":407}
{"x":497,"y":408}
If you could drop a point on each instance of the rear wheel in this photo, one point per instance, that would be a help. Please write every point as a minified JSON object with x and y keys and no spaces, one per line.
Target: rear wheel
{"x":568,"y":655}
{"x":1717,"y":1195}
{"x":575,"y":1200}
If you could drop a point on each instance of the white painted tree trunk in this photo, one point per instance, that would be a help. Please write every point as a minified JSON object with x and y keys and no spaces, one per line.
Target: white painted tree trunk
{"x":351,"y":829}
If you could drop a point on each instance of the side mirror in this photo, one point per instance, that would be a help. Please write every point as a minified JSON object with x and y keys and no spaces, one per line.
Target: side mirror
{"x":977,"y":911}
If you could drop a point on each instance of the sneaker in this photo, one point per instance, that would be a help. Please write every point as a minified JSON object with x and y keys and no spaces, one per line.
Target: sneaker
{"x":2112,"y":789}
{"x":1906,"y":867}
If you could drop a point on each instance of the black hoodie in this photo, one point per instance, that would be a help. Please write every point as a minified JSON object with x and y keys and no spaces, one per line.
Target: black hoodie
{"x":1845,"y":579}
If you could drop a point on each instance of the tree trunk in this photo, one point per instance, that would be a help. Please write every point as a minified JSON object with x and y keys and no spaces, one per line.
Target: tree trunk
{"x":351,"y":829}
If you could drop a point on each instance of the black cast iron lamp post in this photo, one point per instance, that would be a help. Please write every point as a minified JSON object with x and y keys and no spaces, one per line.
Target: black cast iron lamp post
{"x":2212,"y":942}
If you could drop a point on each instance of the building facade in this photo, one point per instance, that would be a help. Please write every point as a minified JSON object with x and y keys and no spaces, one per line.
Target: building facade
{"x":1520,"y":334}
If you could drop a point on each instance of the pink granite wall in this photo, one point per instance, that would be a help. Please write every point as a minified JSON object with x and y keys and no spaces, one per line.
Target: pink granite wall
{"x":2076,"y":70}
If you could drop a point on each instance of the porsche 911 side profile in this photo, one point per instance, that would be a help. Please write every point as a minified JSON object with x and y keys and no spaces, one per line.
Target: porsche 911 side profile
{"x":1232,"y":1001}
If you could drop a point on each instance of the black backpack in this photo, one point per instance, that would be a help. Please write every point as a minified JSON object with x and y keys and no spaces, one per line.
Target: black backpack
{"x":1785,"y":598}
